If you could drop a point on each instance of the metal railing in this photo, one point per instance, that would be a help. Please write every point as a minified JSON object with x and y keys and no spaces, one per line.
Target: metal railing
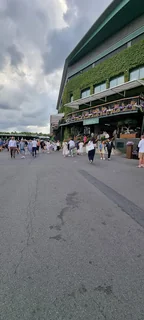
{"x":107,"y":109}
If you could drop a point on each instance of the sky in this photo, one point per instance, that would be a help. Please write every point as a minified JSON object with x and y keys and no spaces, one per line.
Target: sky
{"x":36,"y":36}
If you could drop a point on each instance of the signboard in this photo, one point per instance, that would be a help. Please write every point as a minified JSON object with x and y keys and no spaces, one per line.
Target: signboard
{"x":87,"y":122}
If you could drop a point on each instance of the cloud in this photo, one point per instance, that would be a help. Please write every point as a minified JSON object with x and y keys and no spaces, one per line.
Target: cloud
{"x":79,"y":17}
{"x":15,"y":55}
{"x":36,"y":36}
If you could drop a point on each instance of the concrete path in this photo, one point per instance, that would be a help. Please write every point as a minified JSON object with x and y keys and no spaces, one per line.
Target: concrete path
{"x":71,"y":239}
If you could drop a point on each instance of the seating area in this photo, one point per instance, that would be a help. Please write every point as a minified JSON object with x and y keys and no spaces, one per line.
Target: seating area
{"x":121,"y":106}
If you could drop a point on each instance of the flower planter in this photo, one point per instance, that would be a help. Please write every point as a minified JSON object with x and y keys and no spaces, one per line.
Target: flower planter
{"x":128,"y":135}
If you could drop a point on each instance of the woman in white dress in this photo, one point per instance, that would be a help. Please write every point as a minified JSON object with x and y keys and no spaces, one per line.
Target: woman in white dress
{"x":81,"y":144}
{"x":65,"y":148}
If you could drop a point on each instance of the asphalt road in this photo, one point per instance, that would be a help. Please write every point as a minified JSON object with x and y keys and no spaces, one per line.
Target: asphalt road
{"x":71,"y":239}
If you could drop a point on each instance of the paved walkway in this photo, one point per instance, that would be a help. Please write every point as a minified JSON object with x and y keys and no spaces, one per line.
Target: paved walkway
{"x":71,"y":239}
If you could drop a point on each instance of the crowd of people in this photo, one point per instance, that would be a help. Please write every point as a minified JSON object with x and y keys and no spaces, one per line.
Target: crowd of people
{"x":25,"y":147}
{"x":70,"y":147}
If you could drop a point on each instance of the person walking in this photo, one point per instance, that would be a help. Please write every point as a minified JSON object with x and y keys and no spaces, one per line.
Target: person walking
{"x":12,"y":147}
{"x":91,"y":151}
{"x":65,"y":148}
{"x":102,"y":150}
{"x":34,"y":147}
{"x":22,"y":148}
{"x":48,"y":146}
{"x":71,"y":144}
{"x":29,"y":146}
{"x":38,"y":145}
{"x":58,"y":145}
{"x":42,"y":143}
{"x":80,"y":150}
{"x":110,"y":146}
{"x":141,"y":152}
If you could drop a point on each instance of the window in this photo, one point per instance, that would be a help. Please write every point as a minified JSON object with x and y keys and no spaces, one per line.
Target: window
{"x":85,"y":93}
{"x":100,"y":87}
{"x":117,"y":81}
{"x":142,"y":73}
{"x":134,"y":75}
{"x":71,"y":98}
{"x":137,"y":74}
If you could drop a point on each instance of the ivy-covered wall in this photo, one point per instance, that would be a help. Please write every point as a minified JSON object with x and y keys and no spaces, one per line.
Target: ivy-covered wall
{"x":66,"y":110}
{"x":121,"y":63}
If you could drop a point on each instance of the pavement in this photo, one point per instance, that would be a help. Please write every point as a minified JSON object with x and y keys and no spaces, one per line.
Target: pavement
{"x":71,"y":238}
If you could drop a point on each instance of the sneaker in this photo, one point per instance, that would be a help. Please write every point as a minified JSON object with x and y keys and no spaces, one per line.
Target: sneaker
{"x":103,"y":158}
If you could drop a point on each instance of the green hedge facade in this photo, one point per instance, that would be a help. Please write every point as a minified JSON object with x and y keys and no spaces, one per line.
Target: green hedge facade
{"x":120,"y":63}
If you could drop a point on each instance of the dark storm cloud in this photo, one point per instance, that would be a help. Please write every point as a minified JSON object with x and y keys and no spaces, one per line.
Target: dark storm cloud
{"x":79,"y":17}
{"x":4,"y":106}
{"x":15,"y":55}
{"x":61,"y":42}
{"x":34,"y":35}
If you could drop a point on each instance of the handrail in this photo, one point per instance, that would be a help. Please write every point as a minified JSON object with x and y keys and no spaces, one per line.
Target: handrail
{"x":103,"y":104}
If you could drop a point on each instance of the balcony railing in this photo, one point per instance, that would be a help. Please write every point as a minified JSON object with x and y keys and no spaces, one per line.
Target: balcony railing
{"x":107,"y":109}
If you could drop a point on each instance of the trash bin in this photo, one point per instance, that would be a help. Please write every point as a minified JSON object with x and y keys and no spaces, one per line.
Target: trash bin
{"x":129,"y":150}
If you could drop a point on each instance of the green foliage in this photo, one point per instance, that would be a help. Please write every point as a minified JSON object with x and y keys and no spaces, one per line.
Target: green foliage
{"x":127,"y":123}
{"x":120,"y":63}
{"x":66,"y":133}
{"x":103,"y":138}
{"x":25,"y":133}
{"x":66,"y":110}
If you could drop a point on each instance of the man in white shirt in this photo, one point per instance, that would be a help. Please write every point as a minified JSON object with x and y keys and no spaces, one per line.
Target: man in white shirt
{"x":34,"y":147}
{"x":141,"y":152}
{"x":12,"y":147}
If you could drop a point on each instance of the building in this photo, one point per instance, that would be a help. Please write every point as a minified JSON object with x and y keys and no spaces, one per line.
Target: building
{"x":102,"y":83}
{"x":54,"y":122}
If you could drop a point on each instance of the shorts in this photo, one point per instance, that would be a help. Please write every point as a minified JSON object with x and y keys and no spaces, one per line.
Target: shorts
{"x":141,"y":155}
{"x":22,"y":150}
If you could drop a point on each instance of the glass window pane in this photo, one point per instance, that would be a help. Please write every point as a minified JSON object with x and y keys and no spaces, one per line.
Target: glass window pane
{"x":100,"y":88}
{"x":120,"y":80}
{"x":97,"y":89}
{"x":88,"y":92}
{"x":134,"y":75}
{"x":103,"y":86}
{"x":142,"y":73}
{"x":113,"y":83}
{"x":85,"y":93}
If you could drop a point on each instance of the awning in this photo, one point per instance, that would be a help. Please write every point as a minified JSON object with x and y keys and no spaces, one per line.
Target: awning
{"x":106,"y":93}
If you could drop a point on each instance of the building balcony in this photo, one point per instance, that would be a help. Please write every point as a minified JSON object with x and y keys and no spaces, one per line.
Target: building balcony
{"x":118,"y":107}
